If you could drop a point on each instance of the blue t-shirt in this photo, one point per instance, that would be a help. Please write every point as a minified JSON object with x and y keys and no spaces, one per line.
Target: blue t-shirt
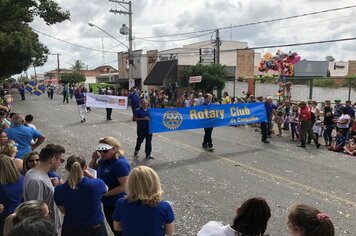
{"x":82,"y":205}
{"x":340,"y":141}
{"x":11,"y":197}
{"x":135,"y":99}
{"x":53,"y":174}
{"x":140,"y":113}
{"x":110,"y":171}
{"x":23,"y":136}
{"x":137,"y":219}
{"x":269,"y":108}
{"x":80,"y":98}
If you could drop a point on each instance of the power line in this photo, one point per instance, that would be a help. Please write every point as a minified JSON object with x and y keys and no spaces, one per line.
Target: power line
{"x":64,"y":41}
{"x":255,"y":23}
{"x":173,"y":40}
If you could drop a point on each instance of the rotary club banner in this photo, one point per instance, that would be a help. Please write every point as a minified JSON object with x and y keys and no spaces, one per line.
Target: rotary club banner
{"x":106,"y":101}
{"x":172,"y":119}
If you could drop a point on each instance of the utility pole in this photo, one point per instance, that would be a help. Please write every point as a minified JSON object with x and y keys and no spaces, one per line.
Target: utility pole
{"x":217,"y":47}
{"x":127,"y":10}
{"x":217,"y":54}
{"x":58,"y":69}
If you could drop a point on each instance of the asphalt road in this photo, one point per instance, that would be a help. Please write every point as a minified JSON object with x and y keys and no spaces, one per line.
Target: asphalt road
{"x":210,"y":186}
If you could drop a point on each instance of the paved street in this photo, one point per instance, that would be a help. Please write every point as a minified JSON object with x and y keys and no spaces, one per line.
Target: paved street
{"x":210,"y":186}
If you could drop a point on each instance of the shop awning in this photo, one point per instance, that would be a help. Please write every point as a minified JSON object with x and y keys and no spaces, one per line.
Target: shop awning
{"x":160,"y":71}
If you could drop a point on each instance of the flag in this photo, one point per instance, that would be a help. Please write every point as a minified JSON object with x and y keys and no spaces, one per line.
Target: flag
{"x":34,"y":88}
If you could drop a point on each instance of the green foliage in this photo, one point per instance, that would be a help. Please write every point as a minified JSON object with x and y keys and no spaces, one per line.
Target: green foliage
{"x":19,"y":45}
{"x":325,"y":82}
{"x":213,"y":76}
{"x":72,"y":78}
{"x":78,"y":65}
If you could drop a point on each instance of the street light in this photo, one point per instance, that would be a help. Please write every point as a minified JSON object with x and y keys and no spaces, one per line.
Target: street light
{"x":92,"y":25}
{"x":127,"y":10}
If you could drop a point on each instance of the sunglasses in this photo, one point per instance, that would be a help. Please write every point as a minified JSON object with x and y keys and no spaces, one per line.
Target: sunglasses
{"x":34,"y":160}
{"x":104,"y":151}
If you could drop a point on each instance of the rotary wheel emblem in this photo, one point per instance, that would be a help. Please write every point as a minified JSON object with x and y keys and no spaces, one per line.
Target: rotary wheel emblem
{"x":172,"y":119}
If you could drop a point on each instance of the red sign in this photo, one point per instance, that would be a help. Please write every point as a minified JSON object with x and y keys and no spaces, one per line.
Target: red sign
{"x":195,"y":79}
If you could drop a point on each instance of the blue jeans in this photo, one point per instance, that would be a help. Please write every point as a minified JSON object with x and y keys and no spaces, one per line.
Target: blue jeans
{"x":327,"y":133}
{"x":294,"y":130}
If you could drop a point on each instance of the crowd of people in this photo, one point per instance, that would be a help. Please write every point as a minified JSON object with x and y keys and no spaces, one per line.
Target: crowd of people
{"x":33,"y":196}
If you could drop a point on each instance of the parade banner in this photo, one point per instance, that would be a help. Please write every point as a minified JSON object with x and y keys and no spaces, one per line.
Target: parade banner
{"x":34,"y":88}
{"x":172,"y":119}
{"x":106,"y":101}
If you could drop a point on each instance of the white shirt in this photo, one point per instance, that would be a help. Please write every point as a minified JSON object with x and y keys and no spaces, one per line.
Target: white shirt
{"x":214,"y":228}
{"x":187,"y":103}
{"x":344,"y":117}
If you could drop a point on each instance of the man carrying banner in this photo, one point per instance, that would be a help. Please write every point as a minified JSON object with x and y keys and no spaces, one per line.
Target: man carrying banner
{"x":80,"y":98}
{"x":207,"y":141}
{"x":141,"y":115}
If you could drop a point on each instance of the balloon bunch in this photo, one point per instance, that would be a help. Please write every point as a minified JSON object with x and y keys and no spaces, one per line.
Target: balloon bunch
{"x":281,"y":64}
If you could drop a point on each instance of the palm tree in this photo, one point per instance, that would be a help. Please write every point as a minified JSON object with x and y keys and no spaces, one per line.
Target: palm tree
{"x":78,"y":65}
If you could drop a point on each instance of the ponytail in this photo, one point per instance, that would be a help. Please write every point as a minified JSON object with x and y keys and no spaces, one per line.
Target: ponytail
{"x":9,"y":223}
{"x":75,"y":165}
{"x":75,"y":175}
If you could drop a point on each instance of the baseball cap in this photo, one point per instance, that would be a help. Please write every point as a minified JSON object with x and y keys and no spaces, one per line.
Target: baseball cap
{"x":337,"y":100}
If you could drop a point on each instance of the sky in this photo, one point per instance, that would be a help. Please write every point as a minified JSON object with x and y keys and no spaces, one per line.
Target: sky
{"x":164,"y":17}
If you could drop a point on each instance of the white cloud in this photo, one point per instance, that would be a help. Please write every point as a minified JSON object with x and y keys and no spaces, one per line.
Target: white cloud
{"x":159,"y":17}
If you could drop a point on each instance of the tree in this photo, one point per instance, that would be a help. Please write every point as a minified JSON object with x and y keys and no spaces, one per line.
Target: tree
{"x":78,"y":65}
{"x":329,"y":58}
{"x":19,"y":44}
{"x":213,"y":76}
{"x":72,"y":78}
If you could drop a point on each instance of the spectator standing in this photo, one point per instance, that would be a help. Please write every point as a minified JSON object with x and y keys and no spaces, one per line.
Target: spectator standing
{"x":294,"y":120}
{"x":22,"y":92}
{"x":342,"y":123}
{"x":306,"y":125}
{"x":351,"y":112}
{"x":251,"y":219}
{"x":304,"y":220}
{"x":328,"y":123}
{"x":23,"y":136}
{"x":266,"y":126}
{"x":337,"y":108}
{"x":81,"y":99}
{"x":113,"y":168}
{"x":134,"y":99}
{"x":226,"y":98}
{"x":11,"y":188}
{"x":28,"y":121}
{"x":152,"y":97}
{"x":142,"y":116}
{"x":79,"y":199}
{"x":143,"y":212}
{"x":37,"y":184}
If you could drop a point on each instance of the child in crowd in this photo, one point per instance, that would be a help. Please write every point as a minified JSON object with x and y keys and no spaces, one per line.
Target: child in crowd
{"x":351,"y":146}
{"x":279,"y":119}
{"x":294,"y":121}
{"x":317,"y":129}
{"x":251,"y":219}
{"x":340,"y":141}
{"x":304,"y":220}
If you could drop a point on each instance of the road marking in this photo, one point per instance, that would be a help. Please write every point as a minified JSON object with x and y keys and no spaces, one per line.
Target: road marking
{"x":258,"y":172}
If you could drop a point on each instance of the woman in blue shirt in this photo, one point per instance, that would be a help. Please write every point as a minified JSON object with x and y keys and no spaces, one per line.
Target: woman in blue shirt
{"x":11,"y":187}
{"x":142,"y":212}
{"x":79,"y":200}
{"x":113,"y":168}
